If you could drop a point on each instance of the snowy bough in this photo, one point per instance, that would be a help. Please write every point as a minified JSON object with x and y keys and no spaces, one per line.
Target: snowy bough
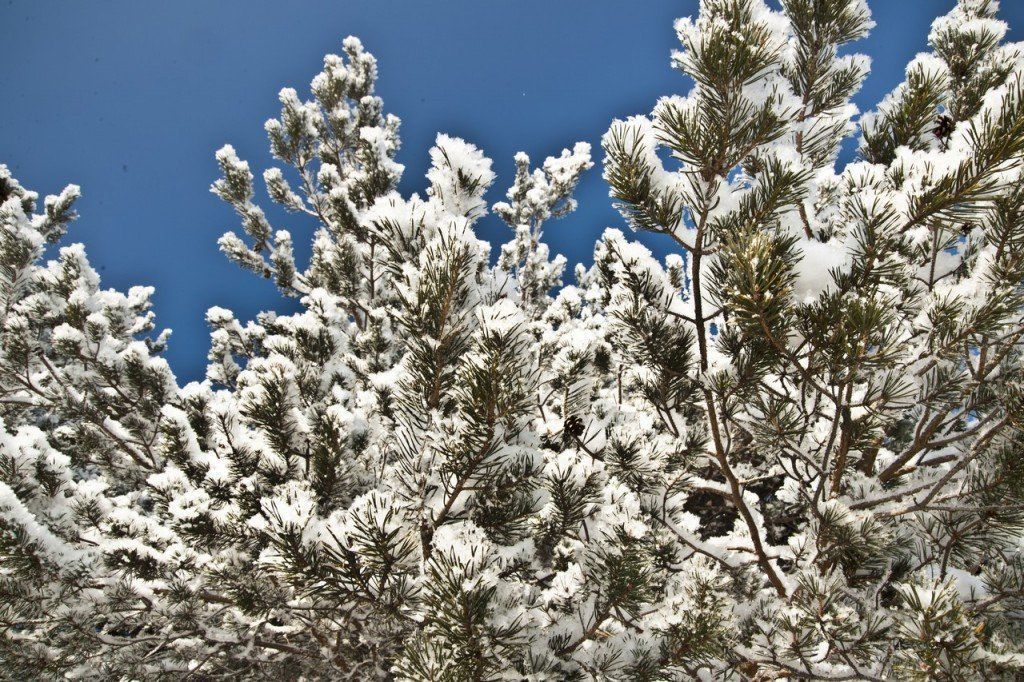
{"x":790,"y":450}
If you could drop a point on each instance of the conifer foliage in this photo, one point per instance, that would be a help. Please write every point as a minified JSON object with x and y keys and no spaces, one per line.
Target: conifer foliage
{"x":789,"y":450}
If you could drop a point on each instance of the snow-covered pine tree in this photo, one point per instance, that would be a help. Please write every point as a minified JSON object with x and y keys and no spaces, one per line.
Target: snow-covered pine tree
{"x":833,"y":364}
{"x":346,"y":489}
{"x":81,"y":392}
{"x":789,"y":451}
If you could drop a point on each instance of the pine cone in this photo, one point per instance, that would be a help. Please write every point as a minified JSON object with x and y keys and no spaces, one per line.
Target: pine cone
{"x":943,"y":127}
{"x":574,"y":426}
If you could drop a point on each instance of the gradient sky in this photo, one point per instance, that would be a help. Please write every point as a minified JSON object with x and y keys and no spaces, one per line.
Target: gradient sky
{"x":130,"y":99}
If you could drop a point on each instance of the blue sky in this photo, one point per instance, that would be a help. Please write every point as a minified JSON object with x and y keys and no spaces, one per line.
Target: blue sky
{"x":130,"y":99}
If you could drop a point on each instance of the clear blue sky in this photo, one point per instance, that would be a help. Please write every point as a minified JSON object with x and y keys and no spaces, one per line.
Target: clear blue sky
{"x":130,"y":99}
